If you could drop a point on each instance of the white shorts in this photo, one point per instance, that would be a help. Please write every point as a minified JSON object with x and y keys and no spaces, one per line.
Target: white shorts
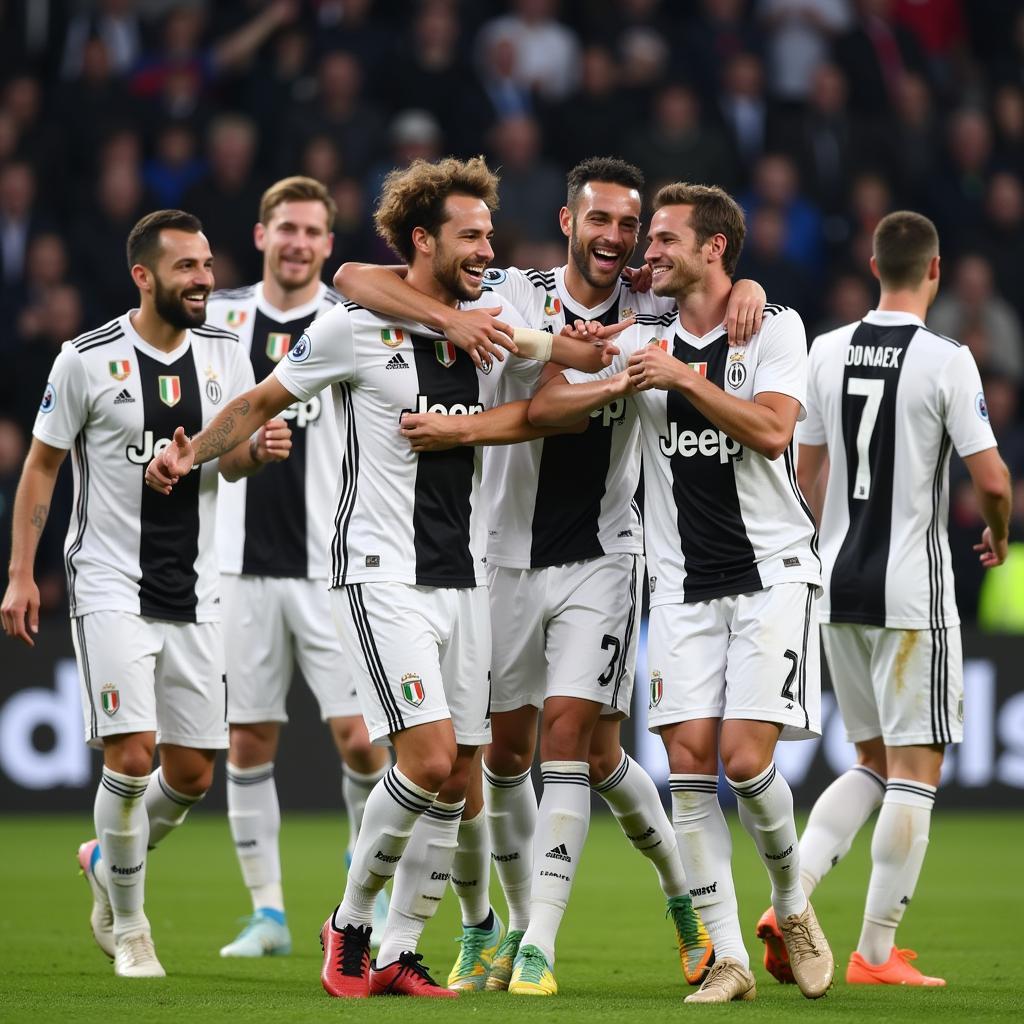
{"x":566,"y":631}
{"x":420,"y":654}
{"x":752,"y":656}
{"x":269,"y":624}
{"x":905,"y":685}
{"x":149,"y":675}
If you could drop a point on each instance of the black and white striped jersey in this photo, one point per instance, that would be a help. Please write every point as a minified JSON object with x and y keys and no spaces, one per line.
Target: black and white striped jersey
{"x":570,"y":497}
{"x":891,"y":398}
{"x":275,"y":523}
{"x":720,"y":519}
{"x":399,"y":516}
{"x":115,"y":401}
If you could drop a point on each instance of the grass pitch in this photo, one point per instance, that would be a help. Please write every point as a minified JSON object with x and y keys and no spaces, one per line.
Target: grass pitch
{"x":616,"y":953}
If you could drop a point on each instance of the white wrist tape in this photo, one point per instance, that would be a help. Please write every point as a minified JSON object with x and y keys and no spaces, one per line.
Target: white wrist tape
{"x":533,"y":344}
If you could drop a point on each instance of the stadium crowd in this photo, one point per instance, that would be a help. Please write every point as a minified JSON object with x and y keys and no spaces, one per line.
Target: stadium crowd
{"x":820,"y":115}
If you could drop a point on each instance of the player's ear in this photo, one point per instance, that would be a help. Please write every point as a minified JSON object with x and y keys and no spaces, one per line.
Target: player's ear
{"x":142,"y":276}
{"x":565,"y":221}
{"x":873,"y":263}
{"x":423,"y":241}
{"x":259,"y":236}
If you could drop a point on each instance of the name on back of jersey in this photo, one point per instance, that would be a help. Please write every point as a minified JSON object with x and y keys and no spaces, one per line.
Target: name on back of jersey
{"x":874,"y":355}
{"x":708,"y":443}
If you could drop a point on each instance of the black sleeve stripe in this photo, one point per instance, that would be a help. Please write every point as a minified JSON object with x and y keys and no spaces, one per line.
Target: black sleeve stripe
{"x":101,"y":332}
{"x":944,"y":337}
{"x":661,"y":320}
{"x":99,"y":342}
{"x":244,"y":292}
{"x":332,"y":297}
{"x":214,"y":332}
{"x":352,"y":306}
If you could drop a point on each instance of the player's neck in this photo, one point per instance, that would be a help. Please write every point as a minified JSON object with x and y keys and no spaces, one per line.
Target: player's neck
{"x":703,"y":309}
{"x":581,"y":291}
{"x":155,"y":330}
{"x":904,"y":301}
{"x":284,"y":299}
{"x":421,"y":277}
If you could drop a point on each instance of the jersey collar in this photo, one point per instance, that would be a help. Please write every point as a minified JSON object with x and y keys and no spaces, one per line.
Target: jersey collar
{"x":283,"y":316}
{"x":159,"y":355}
{"x":591,"y":312}
{"x":695,"y":341}
{"x":892,"y":318}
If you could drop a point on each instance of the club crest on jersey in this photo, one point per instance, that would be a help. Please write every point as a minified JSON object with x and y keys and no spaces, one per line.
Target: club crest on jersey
{"x":735,"y":372}
{"x":120,"y":369}
{"x":392,"y":336}
{"x":214,"y":392}
{"x":661,"y":343}
{"x":445,"y":352}
{"x":657,"y":688}
{"x":299,"y":352}
{"x":237,"y":317}
{"x":49,"y":398}
{"x":170,"y":390}
{"x":277,"y":346}
{"x":412,"y":689}
{"x":110,"y":699}
{"x":701,"y":369}
{"x":552,"y":305}
{"x":626,"y":313}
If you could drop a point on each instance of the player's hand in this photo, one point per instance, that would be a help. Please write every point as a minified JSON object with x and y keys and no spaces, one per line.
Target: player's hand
{"x":480,"y":333}
{"x":622,"y":384}
{"x":599,"y":335}
{"x":653,"y":367}
{"x":990,"y":551}
{"x":20,"y":610}
{"x":272,"y":442}
{"x":171,"y":464}
{"x":430,"y":431}
{"x":744,"y":311}
{"x":638,"y":278}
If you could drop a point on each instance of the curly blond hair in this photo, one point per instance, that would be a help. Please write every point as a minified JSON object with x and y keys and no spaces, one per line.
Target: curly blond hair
{"x":414,"y":197}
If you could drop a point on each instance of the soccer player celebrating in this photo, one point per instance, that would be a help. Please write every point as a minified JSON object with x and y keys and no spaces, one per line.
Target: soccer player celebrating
{"x":407,"y":555}
{"x":272,"y":545}
{"x":732,"y":569}
{"x":142,"y":572}
{"x":887,"y":400}
{"x":565,"y":545}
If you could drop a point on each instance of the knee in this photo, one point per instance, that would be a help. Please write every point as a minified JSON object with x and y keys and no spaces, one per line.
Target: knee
{"x":506,"y":762}
{"x":742,"y":765}
{"x":566,"y":737}
{"x":192,"y":776}
{"x":688,"y":757}
{"x":253,"y":744}
{"x":602,"y":764}
{"x":129,"y":755}
{"x":430,"y":771}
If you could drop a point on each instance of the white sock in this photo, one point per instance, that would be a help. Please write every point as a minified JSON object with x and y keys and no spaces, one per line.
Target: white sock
{"x":254,"y":816}
{"x":471,"y":870}
{"x":634,"y":800}
{"x":897,"y":853}
{"x":765,"y":806}
{"x":166,"y":807}
{"x":836,"y":817}
{"x":421,"y":879}
{"x":122,"y":828}
{"x":705,"y":847}
{"x":355,"y":790}
{"x":511,"y":807}
{"x":392,"y":810}
{"x":563,"y":819}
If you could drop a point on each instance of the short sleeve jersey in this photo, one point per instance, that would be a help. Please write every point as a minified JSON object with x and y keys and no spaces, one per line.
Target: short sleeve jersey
{"x":114,"y":400}
{"x":891,"y":399}
{"x":720,"y":518}
{"x":398,"y":515}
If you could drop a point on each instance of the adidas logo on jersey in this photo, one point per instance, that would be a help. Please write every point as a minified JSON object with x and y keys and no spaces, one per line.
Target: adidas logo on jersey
{"x":123,"y":397}
{"x":396,"y":362}
{"x":709,"y":443}
{"x":559,"y":853}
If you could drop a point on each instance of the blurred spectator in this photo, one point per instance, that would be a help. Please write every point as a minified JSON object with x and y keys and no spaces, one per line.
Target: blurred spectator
{"x":532,"y":189}
{"x":20,"y":221}
{"x":283,"y":81}
{"x":776,"y":184}
{"x":538,"y":255}
{"x":354,"y":236}
{"x":46,"y":266}
{"x":848,"y":298}
{"x":743,"y":108}
{"x":957,"y":187}
{"x":13,"y":448}
{"x":799,"y":34}
{"x":718,"y":32}
{"x":547,"y":52}
{"x":414,"y":135}
{"x":764,"y":260}
{"x":643,"y":66}
{"x":913,"y":139}
{"x":1008,"y":117}
{"x":227,"y":199}
{"x":940,"y":30}
{"x":874,"y":55}
{"x":1000,"y":236}
{"x":175,"y":165}
{"x":350,"y":25}
{"x":114,"y":25}
{"x":677,"y":146}
{"x":971,"y":312}
{"x":506,"y":95}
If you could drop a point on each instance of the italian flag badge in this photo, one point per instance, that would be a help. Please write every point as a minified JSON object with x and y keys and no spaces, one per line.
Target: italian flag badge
{"x":445,"y":352}
{"x":120,"y":369}
{"x":392,"y":336}
{"x":277,"y":346}
{"x":412,"y":689}
{"x":170,"y":390}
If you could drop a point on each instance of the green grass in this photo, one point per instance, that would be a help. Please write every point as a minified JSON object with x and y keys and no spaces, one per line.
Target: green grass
{"x":616,"y":955}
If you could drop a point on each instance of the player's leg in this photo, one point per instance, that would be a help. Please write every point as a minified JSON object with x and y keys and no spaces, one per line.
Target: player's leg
{"x":258,"y":648}
{"x":122,"y":718}
{"x":633,"y":798}
{"x":918,"y":678}
{"x":363,"y":764}
{"x":773,"y":689}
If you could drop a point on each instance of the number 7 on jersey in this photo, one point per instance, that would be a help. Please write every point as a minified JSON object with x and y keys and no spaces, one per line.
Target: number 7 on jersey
{"x":872,"y":389}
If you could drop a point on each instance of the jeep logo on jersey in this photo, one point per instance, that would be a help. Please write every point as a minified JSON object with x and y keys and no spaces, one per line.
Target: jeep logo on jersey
{"x":455,"y":409}
{"x":613,"y":412}
{"x":170,"y":390}
{"x":49,"y":398}
{"x":412,"y":689}
{"x":277,"y":346}
{"x":657,"y":688}
{"x":303,"y":413}
{"x":237,"y":317}
{"x":392,"y":336}
{"x":120,"y":369}
{"x":445,"y":352}
{"x":552,"y":305}
{"x":299,"y":352}
{"x":110,"y":699}
{"x":689,"y":443}
{"x":140,"y":455}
